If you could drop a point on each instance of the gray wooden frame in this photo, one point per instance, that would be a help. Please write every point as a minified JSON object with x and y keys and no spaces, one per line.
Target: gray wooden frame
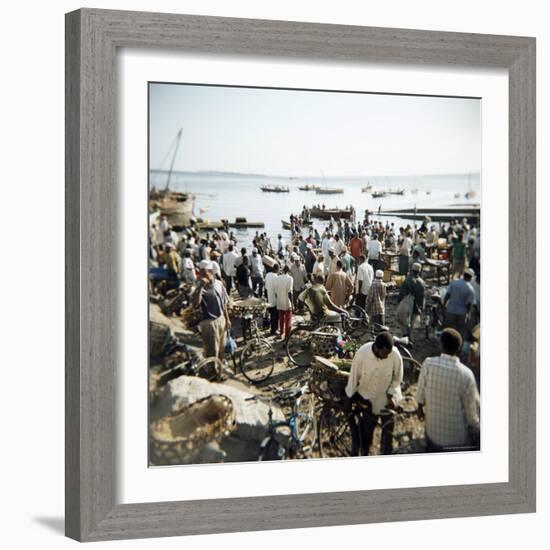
{"x":92,"y":39}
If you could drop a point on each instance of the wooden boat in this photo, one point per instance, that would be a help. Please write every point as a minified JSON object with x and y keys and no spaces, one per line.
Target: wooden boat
{"x":366,"y":189}
{"x":275,"y":189}
{"x":243,"y":223}
{"x":328,"y":190}
{"x":175,"y":205}
{"x":327,"y":213}
{"x":396,"y":191}
{"x":308,"y":188}
{"x":286,"y":225}
{"x":379,"y":194}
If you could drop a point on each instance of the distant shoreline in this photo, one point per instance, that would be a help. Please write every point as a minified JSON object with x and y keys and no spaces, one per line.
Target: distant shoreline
{"x":306,"y":177}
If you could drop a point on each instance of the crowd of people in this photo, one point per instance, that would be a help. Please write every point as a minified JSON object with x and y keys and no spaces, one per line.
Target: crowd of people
{"x":347,"y":260}
{"x":326,"y":272}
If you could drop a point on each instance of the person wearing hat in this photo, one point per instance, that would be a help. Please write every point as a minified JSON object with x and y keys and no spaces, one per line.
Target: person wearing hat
{"x":375,"y":383}
{"x":332,"y":259}
{"x":411,"y":299}
{"x":376,"y":298}
{"x":459,"y":298}
{"x":211,"y":298}
{"x":448,"y":399}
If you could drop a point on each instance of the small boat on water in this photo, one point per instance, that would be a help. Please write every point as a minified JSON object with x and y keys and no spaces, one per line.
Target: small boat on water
{"x":275,"y":189}
{"x":243,"y":223}
{"x":328,"y":190}
{"x":396,"y":191}
{"x":335,"y":213}
{"x":379,"y":194}
{"x":366,"y":189}
{"x":308,"y":188}
{"x":286,"y":225}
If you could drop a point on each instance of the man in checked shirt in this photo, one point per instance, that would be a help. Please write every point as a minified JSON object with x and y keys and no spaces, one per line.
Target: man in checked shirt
{"x":447,"y":397}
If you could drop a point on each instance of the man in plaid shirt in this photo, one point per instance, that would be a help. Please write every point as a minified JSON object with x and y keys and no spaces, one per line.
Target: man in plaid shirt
{"x":376,"y":298}
{"x":448,"y":391}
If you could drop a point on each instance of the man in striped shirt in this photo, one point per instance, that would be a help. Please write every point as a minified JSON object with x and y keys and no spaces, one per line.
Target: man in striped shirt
{"x":376,"y":298}
{"x":448,"y":398}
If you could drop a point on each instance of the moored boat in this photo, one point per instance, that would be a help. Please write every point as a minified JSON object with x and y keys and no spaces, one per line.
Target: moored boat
{"x":328,"y":190}
{"x":275,"y":189}
{"x":327,"y":213}
{"x":379,"y":194}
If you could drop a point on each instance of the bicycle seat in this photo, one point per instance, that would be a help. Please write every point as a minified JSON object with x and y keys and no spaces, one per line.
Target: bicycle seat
{"x":381,"y":328}
{"x":404,"y":341}
{"x":290,"y":393}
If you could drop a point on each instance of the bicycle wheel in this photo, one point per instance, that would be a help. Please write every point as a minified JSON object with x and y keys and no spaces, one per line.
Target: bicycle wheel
{"x":306,"y":428}
{"x":209,"y":368}
{"x":336,"y":434}
{"x":358,"y":322}
{"x":271,"y":451}
{"x":257,"y":360}
{"x":298,"y":347}
{"x":411,"y":369}
{"x":407,"y":437}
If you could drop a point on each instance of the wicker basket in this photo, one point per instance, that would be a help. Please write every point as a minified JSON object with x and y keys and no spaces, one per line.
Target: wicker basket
{"x":327,"y":381}
{"x":179,"y":437}
{"x":251,"y":306}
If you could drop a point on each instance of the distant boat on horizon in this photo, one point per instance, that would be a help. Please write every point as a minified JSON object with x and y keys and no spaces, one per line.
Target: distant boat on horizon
{"x":275,"y":189}
{"x":328,"y":190}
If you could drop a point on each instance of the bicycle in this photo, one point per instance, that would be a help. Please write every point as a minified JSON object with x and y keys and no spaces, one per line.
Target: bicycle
{"x":257,"y":359}
{"x":295,"y":436}
{"x":176,"y":359}
{"x":319,"y":337}
{"x":434,"y":315}
{"x":339,"y":435}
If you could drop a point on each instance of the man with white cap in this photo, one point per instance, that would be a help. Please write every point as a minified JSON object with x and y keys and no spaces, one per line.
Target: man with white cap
{"x":212,"y":300}
{"x":411,"y":299}
{"x":376,"y":298}
{"x":458,"y":300}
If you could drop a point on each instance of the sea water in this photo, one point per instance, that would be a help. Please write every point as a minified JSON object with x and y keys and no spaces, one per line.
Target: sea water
{"x":227,"y":196}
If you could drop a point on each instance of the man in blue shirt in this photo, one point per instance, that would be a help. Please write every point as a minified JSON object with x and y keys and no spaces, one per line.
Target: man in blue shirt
{"x":458,"y":300}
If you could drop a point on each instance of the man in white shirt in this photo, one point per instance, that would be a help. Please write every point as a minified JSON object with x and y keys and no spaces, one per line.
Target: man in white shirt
{"x":405,"y":246}
{"x":374,"y":249}
{"x":229,"y":260}
{"x":374,"y":383}
{"x":363,"y":280}
{"x":270,"y":279}
{"x":326,"y":245}
{"x":284,"y":301}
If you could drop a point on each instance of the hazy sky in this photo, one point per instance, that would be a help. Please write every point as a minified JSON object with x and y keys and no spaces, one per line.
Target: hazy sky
{"x":295,"y":133}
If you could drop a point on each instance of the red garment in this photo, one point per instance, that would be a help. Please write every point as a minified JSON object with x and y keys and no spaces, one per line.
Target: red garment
{"x":285,"y":322}
{"x":356,"y":247}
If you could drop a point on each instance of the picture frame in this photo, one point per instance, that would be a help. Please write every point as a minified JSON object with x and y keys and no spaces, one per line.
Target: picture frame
{"x":92,"y":39}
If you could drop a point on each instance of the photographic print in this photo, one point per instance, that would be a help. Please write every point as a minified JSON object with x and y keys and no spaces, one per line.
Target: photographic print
{"x":314,"y":270}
